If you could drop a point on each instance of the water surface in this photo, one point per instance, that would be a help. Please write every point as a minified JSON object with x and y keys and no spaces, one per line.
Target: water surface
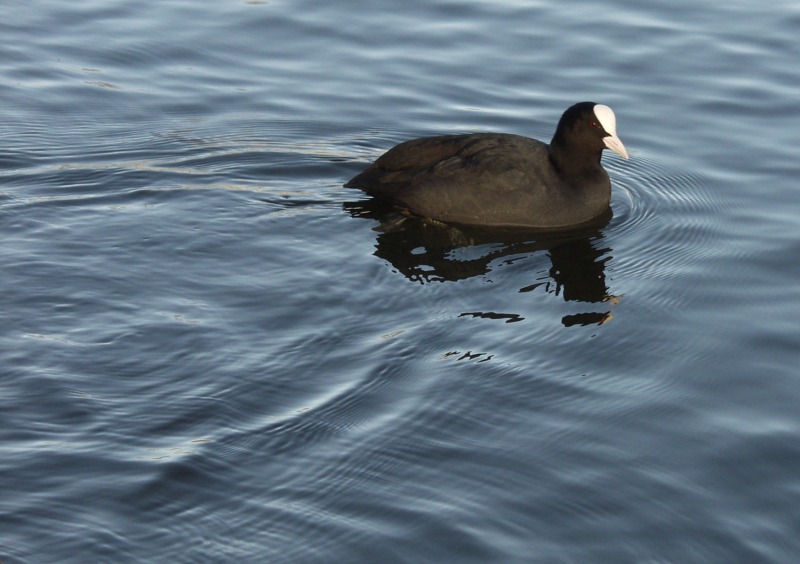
{"x":212,"y":352}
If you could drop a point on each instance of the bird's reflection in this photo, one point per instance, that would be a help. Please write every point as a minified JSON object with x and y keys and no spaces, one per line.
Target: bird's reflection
{"x":427,"y":251}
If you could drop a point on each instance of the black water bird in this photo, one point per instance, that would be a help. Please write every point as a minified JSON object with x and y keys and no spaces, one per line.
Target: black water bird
{"x":503,"y":180}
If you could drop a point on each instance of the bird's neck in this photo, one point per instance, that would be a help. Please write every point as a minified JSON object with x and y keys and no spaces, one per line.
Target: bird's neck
{"x":571,"y":159}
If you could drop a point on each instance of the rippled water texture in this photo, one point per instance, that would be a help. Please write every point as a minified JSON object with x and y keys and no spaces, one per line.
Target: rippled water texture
{"x":211,"y":351}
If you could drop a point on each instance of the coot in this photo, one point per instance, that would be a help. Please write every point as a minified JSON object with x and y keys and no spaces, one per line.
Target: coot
{"x":499,"y":179}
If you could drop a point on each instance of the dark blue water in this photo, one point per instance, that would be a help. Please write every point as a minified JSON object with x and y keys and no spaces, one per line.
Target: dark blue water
{"x":210,"y":351}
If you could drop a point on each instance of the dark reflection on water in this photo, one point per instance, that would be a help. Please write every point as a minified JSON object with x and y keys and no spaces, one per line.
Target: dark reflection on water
{"x":427,"y":251}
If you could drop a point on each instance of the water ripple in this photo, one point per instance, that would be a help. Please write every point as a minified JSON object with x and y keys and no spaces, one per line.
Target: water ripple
{"x":670,"y":215}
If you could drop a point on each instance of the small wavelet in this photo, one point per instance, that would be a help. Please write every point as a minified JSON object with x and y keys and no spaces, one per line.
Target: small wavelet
{"x":666,"y":212}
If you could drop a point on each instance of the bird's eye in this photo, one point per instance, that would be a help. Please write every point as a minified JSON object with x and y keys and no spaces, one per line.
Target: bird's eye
{"x":594,"y":124}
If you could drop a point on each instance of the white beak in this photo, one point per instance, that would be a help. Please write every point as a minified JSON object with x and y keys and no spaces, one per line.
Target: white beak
{"x":608,"y":120}
{"x":613,"y":143}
